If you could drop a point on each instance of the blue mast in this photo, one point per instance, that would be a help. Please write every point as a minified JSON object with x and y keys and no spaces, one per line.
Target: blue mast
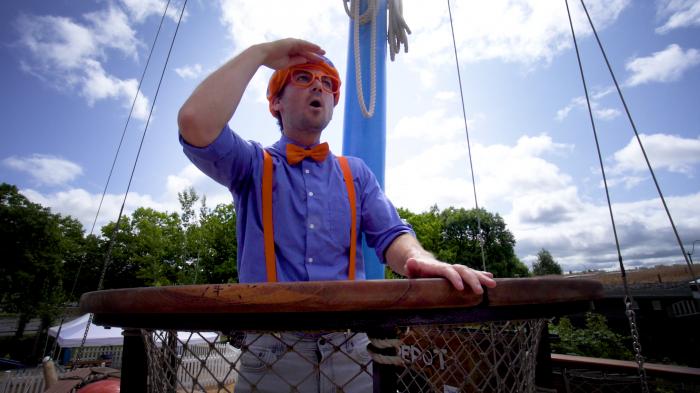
{"x":366,"y":137}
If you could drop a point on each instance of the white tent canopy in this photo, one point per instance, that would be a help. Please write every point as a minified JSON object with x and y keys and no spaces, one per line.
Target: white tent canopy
{"x":72,"y":335}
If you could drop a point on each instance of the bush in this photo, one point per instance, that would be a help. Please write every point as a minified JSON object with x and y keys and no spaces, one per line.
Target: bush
{"x":595,"y":340}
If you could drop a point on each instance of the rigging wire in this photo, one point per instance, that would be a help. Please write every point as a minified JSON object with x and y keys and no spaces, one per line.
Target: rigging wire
{"x":111,"y":170}
{"x":115,"y":230}
{"x":629,"y":301}
{"x":480,"y":237}
{"x":641,"y":146}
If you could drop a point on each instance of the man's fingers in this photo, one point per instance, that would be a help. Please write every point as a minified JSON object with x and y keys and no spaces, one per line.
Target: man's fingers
{"x":290,"y":52}
{"x":457,"y":275}
{"x":486,"y":279}
{"x":305,"y":46}
{"x":469,"y":276}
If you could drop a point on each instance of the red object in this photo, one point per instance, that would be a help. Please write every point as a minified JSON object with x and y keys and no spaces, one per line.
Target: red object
{"x":110,"y":385}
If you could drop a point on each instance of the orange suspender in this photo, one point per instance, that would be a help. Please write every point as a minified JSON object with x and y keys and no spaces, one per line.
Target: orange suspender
{"x":347,"y":174}
{"x":268,"y":233}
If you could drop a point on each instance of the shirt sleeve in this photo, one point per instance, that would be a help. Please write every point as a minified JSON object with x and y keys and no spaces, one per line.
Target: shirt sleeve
{"x":229,"y":159}
{"x":380,"y":220}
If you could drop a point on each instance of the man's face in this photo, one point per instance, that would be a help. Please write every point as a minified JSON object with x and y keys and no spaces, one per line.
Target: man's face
{"x":305,"y":109}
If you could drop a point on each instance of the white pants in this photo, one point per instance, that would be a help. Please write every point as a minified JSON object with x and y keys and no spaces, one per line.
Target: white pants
{"x":298,"y":362}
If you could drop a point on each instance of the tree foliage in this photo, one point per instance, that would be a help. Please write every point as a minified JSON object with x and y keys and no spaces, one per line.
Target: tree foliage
{"x":545,"y":264}
{"x":595,"y":340}
{"x":457,"y":235}
{"x":36,"y":243}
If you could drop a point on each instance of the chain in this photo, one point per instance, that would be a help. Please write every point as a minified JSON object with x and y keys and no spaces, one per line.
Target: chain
{"x":637,"y":346}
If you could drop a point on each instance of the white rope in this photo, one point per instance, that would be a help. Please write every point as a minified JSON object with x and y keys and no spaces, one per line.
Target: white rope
{"x":379,"y":343}
{"x":370,"y":15}
{"x":397,"y":28}
{"x":396,"y":36}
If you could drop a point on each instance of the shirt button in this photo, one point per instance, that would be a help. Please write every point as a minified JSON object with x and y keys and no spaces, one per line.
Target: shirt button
{"x":311,"y":193}
{"x":311,"y":260}
{"x":306,"y":171}
{"x":311,"y":226}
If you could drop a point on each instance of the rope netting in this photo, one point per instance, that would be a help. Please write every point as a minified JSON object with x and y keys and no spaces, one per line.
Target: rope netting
{"x":483,"y":357}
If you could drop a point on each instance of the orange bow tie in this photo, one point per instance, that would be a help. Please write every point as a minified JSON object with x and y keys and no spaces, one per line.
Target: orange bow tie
{"x":295,"y":153}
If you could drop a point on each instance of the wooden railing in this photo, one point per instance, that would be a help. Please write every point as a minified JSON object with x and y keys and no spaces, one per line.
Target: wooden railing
{"x":377,"y":307}
{"x":665,"y":371}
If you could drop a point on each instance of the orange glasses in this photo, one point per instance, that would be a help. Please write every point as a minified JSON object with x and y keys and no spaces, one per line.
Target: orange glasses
{"x":305,"y":78}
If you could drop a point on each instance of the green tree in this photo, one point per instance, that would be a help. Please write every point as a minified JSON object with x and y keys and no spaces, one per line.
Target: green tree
{"x":73,"y":245}
{"x":82,"y":271}
{"x":192,"y":246}
{"x":427,"y":226}
{"x":452,"y":235}
{"x":122,"y":268}
{"x":158,"y":246}
{"x":519,"y":269}
{"x":35,"y":244}
{"x":595,"y":340}
{"x":460,"y":242}
{"x":545,"y":264}
{"x":188,"y":197}
{"x":217,"y":246}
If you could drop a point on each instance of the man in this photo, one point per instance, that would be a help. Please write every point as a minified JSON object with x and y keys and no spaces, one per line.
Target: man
{"x":311,"y":209}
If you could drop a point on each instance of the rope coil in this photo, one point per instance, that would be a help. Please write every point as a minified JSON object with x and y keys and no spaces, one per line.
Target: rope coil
{"x":379,"y":348}
{"x":396,"y":36}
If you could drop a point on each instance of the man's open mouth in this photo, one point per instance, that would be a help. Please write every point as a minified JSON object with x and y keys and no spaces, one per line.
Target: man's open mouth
{"x":315,"y":103}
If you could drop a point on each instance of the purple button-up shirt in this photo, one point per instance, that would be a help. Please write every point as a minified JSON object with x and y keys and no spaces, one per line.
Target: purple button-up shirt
{"x":311,"y":210}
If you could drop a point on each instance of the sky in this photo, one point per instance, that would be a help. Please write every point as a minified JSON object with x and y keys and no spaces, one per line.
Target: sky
{"x":70,"y":71}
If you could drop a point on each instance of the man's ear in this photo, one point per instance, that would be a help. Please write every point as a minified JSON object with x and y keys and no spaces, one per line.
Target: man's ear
{"x":276,"y":104}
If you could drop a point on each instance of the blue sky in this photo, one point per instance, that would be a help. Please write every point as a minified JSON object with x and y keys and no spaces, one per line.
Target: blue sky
{"x":70,"y":71}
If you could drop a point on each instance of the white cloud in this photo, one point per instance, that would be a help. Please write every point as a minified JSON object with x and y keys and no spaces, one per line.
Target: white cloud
{"x":45,"y":169}
{"x":70,"y":55}
{"x":110,"y":29}
{"x":585,"y":239}
{"x":98,"y":85}
{"x":667,"y":65}
{"x":190,"y":176}
{"x":445,"y":95}
{"x":142,"y":9}
{"x":669,"y":152}
{"x":520,"y":31}
{"x":502,"y":172}
{"x":546,"y":207}
{"x":680,"y":13}
{"x":433,"y":125}
{"x":325,"y":26}
{"x":189,"y":71}
{"x":606,"y":113}
{"x":506,"y":173}
{"x":242,"y":18}
{"x":628,"y":181}
{"x":82,"y":205}
{"x":431,"y":177}
{"x":580,"y":103}
{"x":56,"y":41}
{"x":542,"y":205}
